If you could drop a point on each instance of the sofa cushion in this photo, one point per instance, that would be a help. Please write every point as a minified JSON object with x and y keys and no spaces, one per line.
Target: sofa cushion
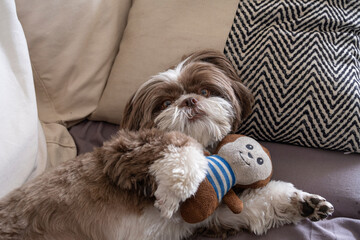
{"x":336,"y":228}
{"x":59,"y":143}
{"x":301,"y":59}
{"x":158,"y":34}
{"x":72,"y":47}
{"x":331,"y":174}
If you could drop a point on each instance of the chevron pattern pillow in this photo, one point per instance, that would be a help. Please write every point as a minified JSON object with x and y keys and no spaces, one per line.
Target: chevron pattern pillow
{"x":301,"y":59}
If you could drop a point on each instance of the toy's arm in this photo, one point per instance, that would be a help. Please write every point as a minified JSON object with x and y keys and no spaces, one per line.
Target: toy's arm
{"x":233,"y":202}
{"x":200,"y":206}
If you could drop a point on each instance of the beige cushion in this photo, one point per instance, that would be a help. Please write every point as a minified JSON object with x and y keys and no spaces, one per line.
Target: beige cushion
{"x":158,"y":34}
{"x":59,"y":143}
{"x":72,"y":47}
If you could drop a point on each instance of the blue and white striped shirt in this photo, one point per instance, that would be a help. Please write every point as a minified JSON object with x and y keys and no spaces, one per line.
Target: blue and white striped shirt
{"x":220,"y":175}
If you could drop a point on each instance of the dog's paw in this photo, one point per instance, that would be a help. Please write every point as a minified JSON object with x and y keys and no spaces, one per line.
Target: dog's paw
{"x":315,"y":207}
{"x":167,"y":206}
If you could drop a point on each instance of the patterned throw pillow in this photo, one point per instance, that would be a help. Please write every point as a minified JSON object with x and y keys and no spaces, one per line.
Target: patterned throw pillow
{"x":301,"y":59}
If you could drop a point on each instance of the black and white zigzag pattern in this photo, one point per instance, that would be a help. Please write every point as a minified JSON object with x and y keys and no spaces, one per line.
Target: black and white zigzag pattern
{"x":301,"y":59}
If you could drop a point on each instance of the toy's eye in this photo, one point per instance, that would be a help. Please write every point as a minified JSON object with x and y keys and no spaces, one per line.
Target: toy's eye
{"x":260,"y":161}
{"x":205,"y":92}
{"x":165,"y":104}
{"x":250,"y":147}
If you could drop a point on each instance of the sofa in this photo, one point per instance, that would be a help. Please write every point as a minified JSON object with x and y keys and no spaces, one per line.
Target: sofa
{"x":301,"y":60}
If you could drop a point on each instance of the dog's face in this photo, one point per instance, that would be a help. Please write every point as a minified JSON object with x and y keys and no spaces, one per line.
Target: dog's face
{"x":201,"y":97}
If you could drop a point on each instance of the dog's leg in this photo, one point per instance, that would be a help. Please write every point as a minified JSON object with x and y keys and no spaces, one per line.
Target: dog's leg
{"x":178,"y":176}
{"x":276,"y":204}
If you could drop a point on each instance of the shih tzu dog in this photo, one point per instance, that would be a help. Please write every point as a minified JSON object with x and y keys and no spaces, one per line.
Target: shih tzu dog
{"x":204,"y":98}
{"x":132,"y":186}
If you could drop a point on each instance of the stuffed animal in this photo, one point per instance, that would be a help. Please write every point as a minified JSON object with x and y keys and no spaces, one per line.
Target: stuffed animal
{"x":239,"y":161}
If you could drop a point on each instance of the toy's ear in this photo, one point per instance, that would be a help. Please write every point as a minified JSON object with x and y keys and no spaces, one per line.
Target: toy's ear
{"x":227,"y":139}
{"x":267,"y":151}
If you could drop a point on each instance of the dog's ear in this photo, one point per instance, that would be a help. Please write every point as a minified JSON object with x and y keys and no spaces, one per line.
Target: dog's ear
{"x":243,"y":94}
{"x":130,"y":120}
{"x":135,"y":114}
{"x":246,"y":101}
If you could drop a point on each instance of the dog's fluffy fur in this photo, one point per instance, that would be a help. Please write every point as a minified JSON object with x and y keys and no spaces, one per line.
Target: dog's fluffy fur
{"x":111,"y":192}
{"x":131,"y":187}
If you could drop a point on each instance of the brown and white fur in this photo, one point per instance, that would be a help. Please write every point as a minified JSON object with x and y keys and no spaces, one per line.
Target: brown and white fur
{"x":204,"y":98}
{"x":109,"y":194}
{"x":131,"y":187}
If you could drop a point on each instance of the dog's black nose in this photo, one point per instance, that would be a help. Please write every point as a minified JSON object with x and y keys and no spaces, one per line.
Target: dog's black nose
{"x":189,"y":102}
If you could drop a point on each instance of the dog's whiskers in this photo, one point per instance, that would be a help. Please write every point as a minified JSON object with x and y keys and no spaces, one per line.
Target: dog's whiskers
{"x":175,"y":115}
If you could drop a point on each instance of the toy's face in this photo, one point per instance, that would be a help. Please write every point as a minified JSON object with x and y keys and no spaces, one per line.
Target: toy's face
{"x":248,"y":160}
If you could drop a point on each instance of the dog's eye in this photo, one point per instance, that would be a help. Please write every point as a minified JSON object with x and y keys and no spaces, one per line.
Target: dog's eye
{"x":205,"y":92}
{"x":260,"y":161}
{"x":165,"y":104}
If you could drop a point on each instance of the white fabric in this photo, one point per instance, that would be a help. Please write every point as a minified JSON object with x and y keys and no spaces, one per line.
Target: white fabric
{"x":22,"y":142}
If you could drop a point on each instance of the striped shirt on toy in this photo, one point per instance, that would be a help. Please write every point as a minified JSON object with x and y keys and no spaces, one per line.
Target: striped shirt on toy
{"x":220,"y":175}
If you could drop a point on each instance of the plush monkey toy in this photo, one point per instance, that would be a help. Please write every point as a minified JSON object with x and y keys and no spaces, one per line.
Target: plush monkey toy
{"x":239,"y":161}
